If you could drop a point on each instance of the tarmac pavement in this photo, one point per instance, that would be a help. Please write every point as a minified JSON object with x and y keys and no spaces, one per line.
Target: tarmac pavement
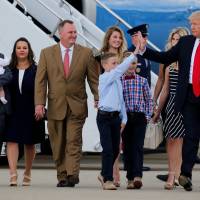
{"x":44,"y":188}
{"x":44,"y":183}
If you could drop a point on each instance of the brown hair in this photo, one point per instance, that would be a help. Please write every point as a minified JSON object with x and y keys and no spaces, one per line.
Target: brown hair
{"x":66,"y":21}
{"x":105,"y":47}
{"x":14,"y":59}
{"x":106,"y":56}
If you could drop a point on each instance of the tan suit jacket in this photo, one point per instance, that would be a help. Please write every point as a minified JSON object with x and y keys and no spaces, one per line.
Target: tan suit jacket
{"x":70,"y":92}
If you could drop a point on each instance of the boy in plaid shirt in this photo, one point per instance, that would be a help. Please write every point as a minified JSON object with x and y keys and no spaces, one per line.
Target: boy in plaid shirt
{"x":139,"y":109}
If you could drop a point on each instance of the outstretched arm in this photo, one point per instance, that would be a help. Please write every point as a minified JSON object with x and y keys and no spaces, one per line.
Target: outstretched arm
{"x":165,"y":57}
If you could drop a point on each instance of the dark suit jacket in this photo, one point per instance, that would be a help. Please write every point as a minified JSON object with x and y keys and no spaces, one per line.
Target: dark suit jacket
{"x":4,"y":81}
{"x":182,"y":53}
{"x":5,"y":109}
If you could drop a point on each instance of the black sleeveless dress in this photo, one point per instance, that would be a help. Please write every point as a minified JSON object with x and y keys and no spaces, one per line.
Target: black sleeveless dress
{"x":21,"y":126}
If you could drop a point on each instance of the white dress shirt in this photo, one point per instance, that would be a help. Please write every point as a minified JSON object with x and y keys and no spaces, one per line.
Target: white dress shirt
{"x":21,"y":75}
{"x":192,"y":59}
{"x":63,"y":51}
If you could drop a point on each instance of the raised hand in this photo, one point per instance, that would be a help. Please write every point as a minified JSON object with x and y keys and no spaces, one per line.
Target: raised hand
{"x":137,"y":48}
{"x":142,"y":41}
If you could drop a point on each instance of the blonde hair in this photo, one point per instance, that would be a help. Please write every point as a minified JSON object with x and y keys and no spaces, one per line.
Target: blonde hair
{"x":194,"y":15}
{"x":123,"y":46}
{"x":181,"y":31}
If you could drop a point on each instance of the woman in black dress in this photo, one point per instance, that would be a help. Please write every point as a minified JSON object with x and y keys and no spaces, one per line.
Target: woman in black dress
{"x":22,"y":127}
{"x":173,"y":125}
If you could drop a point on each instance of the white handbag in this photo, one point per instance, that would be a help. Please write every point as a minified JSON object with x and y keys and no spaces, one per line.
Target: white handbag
{"x":153,"y":135}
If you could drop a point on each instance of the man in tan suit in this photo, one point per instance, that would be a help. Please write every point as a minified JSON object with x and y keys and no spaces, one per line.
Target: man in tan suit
{"x":64,"y":68}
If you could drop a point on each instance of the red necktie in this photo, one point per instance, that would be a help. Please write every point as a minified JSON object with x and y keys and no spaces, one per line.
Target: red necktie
{"x":196,"y":73}
{"x":66,"y":63}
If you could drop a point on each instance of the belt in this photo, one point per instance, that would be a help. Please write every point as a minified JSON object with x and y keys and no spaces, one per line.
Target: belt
{"x":132,"y":114}
{"x":110,"y":114}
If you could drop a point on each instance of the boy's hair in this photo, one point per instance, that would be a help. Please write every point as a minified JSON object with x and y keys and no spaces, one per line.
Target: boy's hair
{"x":126,"y":54}
{"x":106,"y":56}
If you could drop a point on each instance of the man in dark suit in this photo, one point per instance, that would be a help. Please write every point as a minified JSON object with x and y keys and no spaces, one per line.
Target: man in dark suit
{"x":143,"y":65}
{"x":187,"y":53}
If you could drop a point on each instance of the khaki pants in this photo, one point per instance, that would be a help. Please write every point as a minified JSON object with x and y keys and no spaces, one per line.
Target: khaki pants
{"x":66,"y":143}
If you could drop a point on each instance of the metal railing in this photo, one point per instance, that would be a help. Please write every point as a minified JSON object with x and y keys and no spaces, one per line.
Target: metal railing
{"x":18,"y":2}
{"x":63,"y":2}
{"x":120,"y":20}
{"x":61,"y":19}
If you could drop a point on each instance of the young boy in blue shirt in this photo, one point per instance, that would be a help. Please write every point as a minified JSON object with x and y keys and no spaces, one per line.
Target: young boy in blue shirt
{"x":111,"y":117}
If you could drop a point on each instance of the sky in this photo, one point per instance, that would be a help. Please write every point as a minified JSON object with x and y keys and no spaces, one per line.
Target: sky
{"x":156,"y":5}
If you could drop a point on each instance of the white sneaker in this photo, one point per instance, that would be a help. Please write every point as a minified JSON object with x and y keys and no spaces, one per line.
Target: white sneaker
{"x":108,"y":185}
{"x":100,"y":178}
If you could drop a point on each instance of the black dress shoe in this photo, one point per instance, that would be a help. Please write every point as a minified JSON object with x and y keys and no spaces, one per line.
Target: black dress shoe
{"x":197,"y":160}
{"x":69,"y":184}
{"x":145,"y":168}
{"x":62,"y":183}
{"x":162,"y":177}
{"x":185,"y":182}
{"x":72,"y":180}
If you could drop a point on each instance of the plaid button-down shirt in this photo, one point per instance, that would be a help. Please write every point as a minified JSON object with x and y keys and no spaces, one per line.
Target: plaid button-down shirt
{"x":137,"y":95}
